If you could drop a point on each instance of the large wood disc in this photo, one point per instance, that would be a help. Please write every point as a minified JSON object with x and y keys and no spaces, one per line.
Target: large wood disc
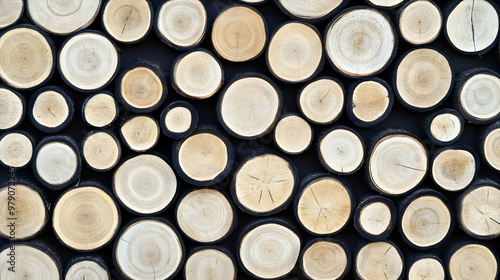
{"x":322,"y":100}
{"x":10,"y":12}
{"x":127,"y":21}
{"x":140,"y":133}
{"x":210,"y":264}
{"x":100,"y":110}
{"x":310,"y":10}
{"x":50,"y":109}
{"x":324,"y":259}
{"x":32,"y":262}
{"x":473,"y":261}
{"x":420,"y":22}
{"x":479,"y":211}
{"x":491,"y":148}
{"x":426,"y":268}
{"x":239,"y":33}
{"x":16,"y":149}
{"x":88,"y":270}
{"x":12,"y":109}
{"x":101,"y":150}
{"x":453,"y":169}
{"x":379,"y":260}
{"x":479,"y":97}
{"x":293,"y":135}
{"x":342,"y":150}
{"x":370,"y":102}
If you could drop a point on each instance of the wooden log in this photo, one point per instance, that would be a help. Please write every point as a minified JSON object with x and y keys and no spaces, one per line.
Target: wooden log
{"x":425,"y":266}
{"x":295,"y":52}
{"x":57,"y":162}
{"x":197,"y":74}
{"x":88,"y":61}
{"x":32,"y":261}
{"x":10,"y":12}
{"x":454,"y":168}
{"x":181,"y":24}
{"x":379,"y":260}
{"x":149,"y":248}
{"x":375,"y":218}
{"x":360,"y":42}
{"x":473,"y":261}
{"x":100,"y":109}
{"x":293,"y":135}
{"x":250,"y":106}
{"x":324,"y":204}
{"x":179,"y":120}
{"x":268,"y":249}
{"x":423,"y":79}
{"x":489,"y":146}
{"x":385,"y":4}
{"x":310,"y":11}
{"x":239,"y":33}
{"x":50,"y":109}
{"x":444,"y":127}
{"x":62,"y":18}
{"x":322,"y":100}
{"x":419,"y":22}
{"x":127,"y":21}
{"x":140,"y":133}
{"x":324,"y":258}
{"x":101,"y":150}
{"x":210,"y":263}
{"x":141,"y":88}
{"x":27,"y":59}
{"x":369,"y":102}
{"x":145,"y":184}
{"x":264,"y":184}
{"x":87,"y":267}
{"x":341,"y":150}
{"x":16,"y":149}
{"x":12,"y":108}
{"x":472,"y":26}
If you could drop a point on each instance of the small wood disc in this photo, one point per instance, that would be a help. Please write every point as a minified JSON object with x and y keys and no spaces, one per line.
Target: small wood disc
{"x":369,"y":102}
{"x":322,"y":100}
{"x":293,"y":135}
{"x":491,"y":148}
{"x":87,"y":269}
{"x":12,"y":109}
{"x":250,"y":106}
{"x":360,"y":42}
{"x":31,"y":262}
{"x":145,"y":184}
{"x":479,"y":97}
{"x":269,"y":250}
{"x":426,"y":268}
{"x":179,"y":119}
{"x":100,"y":110}
{"x":16,"y":149}
{"x":30,"y":214}
{"x":197,"y":75}
{"x":149,"y":249}
{"x":101,"y":150}
{"x":310,"y":10}
{"x":342,"y":150}
{"x":472,"y":26}
{"x":379,"y":260}
{"x":205,"y":216}
{"x":445,"y":127}
{"x":420,"y":22}
{"x":473,"y":261}
{"x":324,"y":259}
{"x":127,"y":21}
{"x":423,"y":79}
{"x":10,"y":12}
{"x":264,"y":184}
{"x":385,"y":3}
{"x":325,"y":205}
{"x":239,"y":33}
{"x":27,"y":59}
{"x":63,"y":17}
{"x":88,"y":61}
{"x":210,"y":264}
{"x":295,"y":52}
{"x":479,"y":212}
{"x":50,"y":109}
{"x":181,"y":24}
{"x":453,"y":169}
{"x":140,"y":133}
{"x":397,"y":164}
{"x":375,"y":218}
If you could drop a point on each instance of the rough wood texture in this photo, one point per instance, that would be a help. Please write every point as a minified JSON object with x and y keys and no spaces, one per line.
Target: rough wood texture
{"x":369,"y":102}
{"x":420,"y":22}
{"x":454,"y":168}
{"x":32,"y":261}
{"x":322,"y":100}
{"x":101,"y":150}
{"x":310,"y":10}
{"x":375,"y":218}
{"x":100,"y":110}
{"x":490,"y":146}
{"x":10,"y":12}
{"x":50,"y":109}
{"x":127,"y":21}
{"x":479,"y":261}
{"x":325,"y":259}
{"x":16,"y":149}
{"x":210,"y":264}
{"x":379,"y":260}
{"x":12,"y":109}
{"x":293,"y":135}
{"x":342,"y":150}
{"x":426,"y":268}
{"x":140,"y":133}
{"x":87,"y":268}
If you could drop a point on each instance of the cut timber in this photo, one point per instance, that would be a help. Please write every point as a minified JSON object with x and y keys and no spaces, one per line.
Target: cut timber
{"x":32,"y":261}
{"x":268,"y":249}
{"x":293,"y":135}
{"x":369,"y":102}
{"x":50,"y":109}
{"x":472,"y":26}
{"x":12,"y":109}
{"x":87,"y":267}
{"x":295,"y":52}
{"x":444,"y":126}
{"x":325,"y":259}
{"x":10,"y":12}
{"x":145,"y":184}
{"x":197,"y":74}
{"x":423,"y":79}
{"x":490,"y":146}
{"x":16,"y":149}
{"x":88,"y":61}
{"x":341,"y":150}
{"x":473,"y":261}
{"x":360,"y":42}
{"x":140,"y":133}
{"x":101,"y":150}
{"x":210,"y":264}
{"x":322,"y":101}
{"x":379,"y":260}
{"x":148,"y":249}
{"x":397,"y":163}
{"x":30,"y":213}
{"x":310,"y":10}
{"x":27,"y":57}
{"x":426,"y":268}
{"x":375,"y":218}
{"x":325,"y":204}
{"x":264,"y":184}
{"x":57,"y":162}
{"x":86,"y":218}
{"x":63,"y":17}
{"x":179,"y":120}
{"x":239,"y":33}
{"x":100,"y":109}
{"x":454,"y":168}
{"x":205,"y":216}
{"x":127,"y":21}
{"x":420,"y":22}
{"x":385,"y":3}
{"x":181,"y":24}
{"x":141,"y":88}
{"x":250,"y":106}
{"x":426,"y":219}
